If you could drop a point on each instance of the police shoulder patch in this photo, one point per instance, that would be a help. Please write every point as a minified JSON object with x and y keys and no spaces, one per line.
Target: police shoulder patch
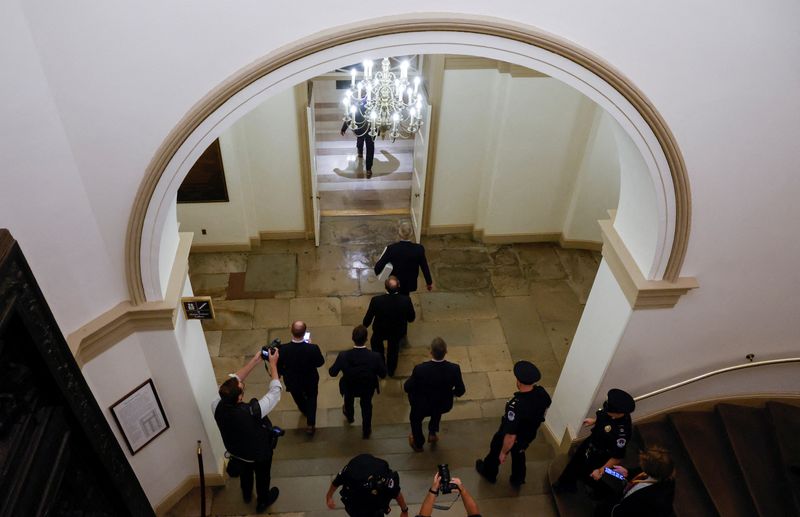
{"x":621,"y":442}
{"x":390,"y":484}
{"x":511,"y":416}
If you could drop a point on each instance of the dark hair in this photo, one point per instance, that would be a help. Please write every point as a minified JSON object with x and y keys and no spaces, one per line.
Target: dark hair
{"x":657,"y":462}
{"x":392,"y":284}
{"x":438,"y":348}
{"x":230,"y":390}
{"x":298,"y":329}
{"x":360,"y":335}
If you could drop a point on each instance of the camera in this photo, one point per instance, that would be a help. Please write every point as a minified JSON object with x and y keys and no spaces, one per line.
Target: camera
{"x":276,"y":433}
{"x":445,"y":486}
{"x":271,"y":348}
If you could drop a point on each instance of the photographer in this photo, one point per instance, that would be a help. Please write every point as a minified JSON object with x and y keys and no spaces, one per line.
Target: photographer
{"x":470,"y":505}
{"x":368,"y":485}
{"x":247,"y":432}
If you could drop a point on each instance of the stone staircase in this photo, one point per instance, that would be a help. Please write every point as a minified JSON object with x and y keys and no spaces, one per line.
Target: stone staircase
{"x":732,"y":461}
{"x":304,"y":467}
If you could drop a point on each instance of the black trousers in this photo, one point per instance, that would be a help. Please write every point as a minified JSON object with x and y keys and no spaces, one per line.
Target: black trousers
{"x":393,"y":344}
{"x":366,"y":408}
{"x":417,"y":414}
{"x":306,"y":399}
{"x":491,"y":463}
{"x":581,"y":465}
{"x":261,"y":469}
{"x":370,"y":149}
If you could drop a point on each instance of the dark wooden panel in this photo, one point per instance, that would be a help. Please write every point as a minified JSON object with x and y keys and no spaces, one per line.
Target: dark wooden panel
{"x":205,"y":182}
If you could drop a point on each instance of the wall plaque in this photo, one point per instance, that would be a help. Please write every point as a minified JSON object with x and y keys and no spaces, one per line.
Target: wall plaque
{"x":140,"y":416}
{"x":198,"y":308}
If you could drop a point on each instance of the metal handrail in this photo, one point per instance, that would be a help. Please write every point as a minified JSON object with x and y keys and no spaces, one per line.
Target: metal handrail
{"x":716,"y":372}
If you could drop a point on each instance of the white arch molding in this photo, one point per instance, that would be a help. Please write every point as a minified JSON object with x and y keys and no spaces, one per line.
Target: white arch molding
{"x":168,"y":170}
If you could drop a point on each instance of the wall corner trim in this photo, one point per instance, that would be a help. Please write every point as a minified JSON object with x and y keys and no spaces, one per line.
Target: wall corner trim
{"x":640,"y":292}
{"x":108,"y":329}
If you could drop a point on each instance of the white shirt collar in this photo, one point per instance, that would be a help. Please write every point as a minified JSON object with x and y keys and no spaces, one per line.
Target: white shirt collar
{"x":437,"y":360}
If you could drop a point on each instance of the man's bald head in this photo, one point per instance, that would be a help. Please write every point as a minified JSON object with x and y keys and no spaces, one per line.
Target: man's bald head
{"x":405,"y":230}
{"x":392,"y":284}
{"x":298,"y":329}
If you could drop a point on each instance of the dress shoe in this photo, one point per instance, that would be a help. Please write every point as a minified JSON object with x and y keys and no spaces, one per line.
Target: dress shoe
{"x":272,"y":496}
{"x":360,"y":155}
{"x":366,"y":433}
{"x":413,"y":445}
{"x":516,"y":483}
{"x":349,"y":418}
{"x":247,"y":498}
{"x":479,"y":469}
{"x":310,"y":430}
{"x":432,"y":438}
{"x":369,"y":174}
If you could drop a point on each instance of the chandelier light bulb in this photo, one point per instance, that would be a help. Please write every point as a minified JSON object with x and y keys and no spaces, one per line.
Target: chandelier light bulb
{"x":413,"y":112}
{"x":353,"y":77}
{"x":352,"y":110}
{"x":403,"y":69}
{"x":395,"y":117}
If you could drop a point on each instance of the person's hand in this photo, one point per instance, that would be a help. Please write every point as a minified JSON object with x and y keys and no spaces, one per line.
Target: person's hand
{"x":503,"y":456}
{"x":622,"y":470}
{"x":457,"y":482}
{"x":589,"y":421}
{"x":330,"y":503}
{"x":256,"y":357}
{"x":404,"y":514}
{"x":430,"y":287}
{"x":273,"y":358}
{"x":437,"y":481}
{"x":597,"y":474}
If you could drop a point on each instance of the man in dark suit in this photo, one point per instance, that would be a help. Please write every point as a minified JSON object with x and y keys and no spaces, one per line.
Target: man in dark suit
{"x":407,"y":258}
{"x":298,"y":364}
{"x":392,"y":312}
{"x":431,"y":389}
{"x":650,"y":489}
{"x":361,"y":369}
{"x":361,"y":130}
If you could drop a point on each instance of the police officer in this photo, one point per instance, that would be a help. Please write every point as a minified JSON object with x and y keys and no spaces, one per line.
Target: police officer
{"x":368,"y":485}
{"x":523,"y":414}
{"x":605,"y":447}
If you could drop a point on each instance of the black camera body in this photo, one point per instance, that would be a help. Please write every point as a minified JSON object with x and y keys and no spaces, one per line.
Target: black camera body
{"x":445,"y":485}
{"x":271,"y":348}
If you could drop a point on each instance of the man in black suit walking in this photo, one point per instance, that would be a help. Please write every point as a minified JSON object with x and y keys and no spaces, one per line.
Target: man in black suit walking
{"x":392,"y":312}
{"x":360,"y":369}
{"x":298,"y":364}
{"x":407,"y":258}
{"x":363,"y":136}
{"x":431,"y":389}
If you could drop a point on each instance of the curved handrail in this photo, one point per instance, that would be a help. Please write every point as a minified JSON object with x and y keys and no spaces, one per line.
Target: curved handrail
{"x":717,"y":372}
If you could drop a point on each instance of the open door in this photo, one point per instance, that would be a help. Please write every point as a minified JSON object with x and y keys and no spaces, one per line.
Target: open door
{"x":312,"y":149}
{"x":419,"y":172}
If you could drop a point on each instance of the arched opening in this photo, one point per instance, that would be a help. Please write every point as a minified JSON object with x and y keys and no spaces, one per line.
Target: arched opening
{"x":654,"y":228}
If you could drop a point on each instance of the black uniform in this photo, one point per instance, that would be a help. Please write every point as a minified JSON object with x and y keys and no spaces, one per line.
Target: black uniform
{"x":407,"y":259}
{"x":391,"y":312}
{"x":249,"y":437}
{"x":298,"y":363}
{"x":368,"y":485}
{"x":431,"y":389}
{"x":522,"y":417}
{"x":608,"y":440}
{"x":363,"y":137}
{"x":360,"y":369}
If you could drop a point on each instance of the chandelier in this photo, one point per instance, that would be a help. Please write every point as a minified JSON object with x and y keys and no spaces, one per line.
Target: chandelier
{"x":387,"y":103}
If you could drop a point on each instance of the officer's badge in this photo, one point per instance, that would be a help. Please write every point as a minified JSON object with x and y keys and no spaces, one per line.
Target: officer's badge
{"x":511,"y":416}
{"x":621,"y":443}
{"x":607,"y":429}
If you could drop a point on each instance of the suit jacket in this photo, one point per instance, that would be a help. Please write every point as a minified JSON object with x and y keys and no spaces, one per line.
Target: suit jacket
{"x":391,"y":313}
{"x":298,"y":364}
{"x":360,"y":369}
{"x":654,"y":500}
{"x":407,"y":259}
{"x":433,"y":384}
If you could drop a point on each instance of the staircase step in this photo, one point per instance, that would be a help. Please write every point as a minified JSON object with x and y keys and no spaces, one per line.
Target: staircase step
{"x":691,"y":498}
{"x":337,"y":178}
{"x":785,"y":420}
{"x":704,"y":438}
{"x":751,"y":437}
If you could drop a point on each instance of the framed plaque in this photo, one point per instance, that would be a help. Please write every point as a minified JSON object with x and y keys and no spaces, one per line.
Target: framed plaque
{"x":140,"y":416}
{"x":198,"y":307}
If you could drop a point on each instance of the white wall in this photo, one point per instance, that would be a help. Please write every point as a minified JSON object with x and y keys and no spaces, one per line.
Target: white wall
{"x":521,"y":156}
{"x":261,"y":157}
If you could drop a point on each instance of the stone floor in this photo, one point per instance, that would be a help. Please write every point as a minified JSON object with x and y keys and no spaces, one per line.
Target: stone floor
{"x":493,"y":304}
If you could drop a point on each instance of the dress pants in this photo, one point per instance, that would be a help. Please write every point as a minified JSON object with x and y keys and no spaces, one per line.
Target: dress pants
{"x":366,"y":409}
{"x":306,"y":399}
{"x":417,"y":414}
{"x":491,"y":463}
{"x":370,"y":149}
{"x":261,"y":469}
{"x":393,"y":343}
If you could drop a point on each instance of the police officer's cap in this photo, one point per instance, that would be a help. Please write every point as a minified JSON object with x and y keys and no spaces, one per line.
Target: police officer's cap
{"x":526,"y":372}
{"x":620,"y":401}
